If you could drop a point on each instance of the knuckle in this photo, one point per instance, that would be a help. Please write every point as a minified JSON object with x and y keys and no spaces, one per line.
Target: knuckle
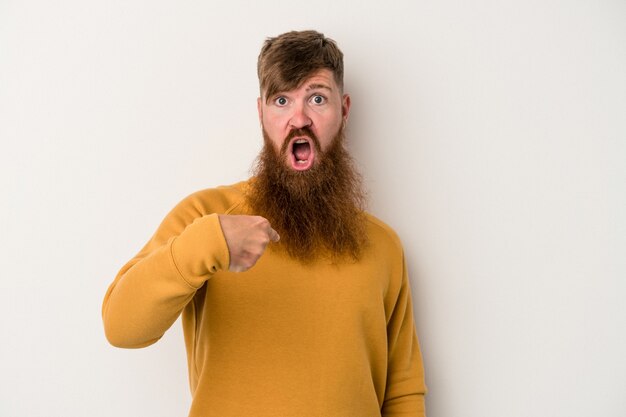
{"x":262,"y":221}
{"x":251,"y":258}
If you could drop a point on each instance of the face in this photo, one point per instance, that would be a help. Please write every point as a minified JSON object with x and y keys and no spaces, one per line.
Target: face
{"x":297,"y":119}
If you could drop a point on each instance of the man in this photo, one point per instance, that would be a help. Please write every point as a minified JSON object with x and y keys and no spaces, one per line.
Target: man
{"x":294,"y":301}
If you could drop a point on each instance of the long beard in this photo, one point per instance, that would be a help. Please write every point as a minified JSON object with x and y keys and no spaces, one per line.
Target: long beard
{"x":317,"y":212}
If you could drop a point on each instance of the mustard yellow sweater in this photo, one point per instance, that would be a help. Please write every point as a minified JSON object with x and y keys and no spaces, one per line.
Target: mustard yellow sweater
{"x":280,"y":340}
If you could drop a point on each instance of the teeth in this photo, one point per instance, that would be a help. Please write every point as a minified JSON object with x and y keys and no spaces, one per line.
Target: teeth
{"x":300,"y":141}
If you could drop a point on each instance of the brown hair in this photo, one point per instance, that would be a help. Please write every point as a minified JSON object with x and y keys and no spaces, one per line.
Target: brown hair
{"x":287,"y":60}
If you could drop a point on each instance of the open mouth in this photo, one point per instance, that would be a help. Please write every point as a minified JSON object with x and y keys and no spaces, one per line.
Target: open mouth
{"x":302,"y":153}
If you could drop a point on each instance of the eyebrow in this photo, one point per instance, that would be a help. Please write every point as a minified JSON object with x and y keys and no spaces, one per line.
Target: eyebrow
{"x":317,"y":86}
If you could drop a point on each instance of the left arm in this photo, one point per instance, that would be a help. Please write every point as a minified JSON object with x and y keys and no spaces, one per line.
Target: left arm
{"x":404,"y":395}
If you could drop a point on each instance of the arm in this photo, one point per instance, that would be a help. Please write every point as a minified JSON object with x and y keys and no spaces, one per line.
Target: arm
{"x":190,"y":245}
{"x":151,"y":290}
{"x":405,"y":391}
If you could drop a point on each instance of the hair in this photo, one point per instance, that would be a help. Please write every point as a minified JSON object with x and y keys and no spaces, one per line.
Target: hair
{"x":287,"y":60}
{"x":319,"y":213}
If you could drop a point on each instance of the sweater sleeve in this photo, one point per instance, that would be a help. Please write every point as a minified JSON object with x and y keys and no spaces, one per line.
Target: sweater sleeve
{"x":404,"y":395}
{"x":151,"y":290}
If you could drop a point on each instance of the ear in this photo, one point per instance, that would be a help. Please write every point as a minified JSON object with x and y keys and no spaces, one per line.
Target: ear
{"x":345,"y":107}
{"x":259,"y":107}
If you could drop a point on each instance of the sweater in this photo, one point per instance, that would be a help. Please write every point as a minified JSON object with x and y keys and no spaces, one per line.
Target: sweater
{"x":283,"y":339}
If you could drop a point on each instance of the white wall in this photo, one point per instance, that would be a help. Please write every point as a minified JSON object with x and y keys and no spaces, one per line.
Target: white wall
{"x":491,"y":134}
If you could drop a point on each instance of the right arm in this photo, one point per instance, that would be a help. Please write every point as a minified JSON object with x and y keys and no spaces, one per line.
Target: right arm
{"x":151,"y":290}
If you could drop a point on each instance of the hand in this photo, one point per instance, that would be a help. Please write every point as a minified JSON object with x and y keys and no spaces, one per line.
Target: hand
{"x":246,"y":237}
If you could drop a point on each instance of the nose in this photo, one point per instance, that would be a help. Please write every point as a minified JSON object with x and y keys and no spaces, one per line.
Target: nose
{"x":299,"y":118}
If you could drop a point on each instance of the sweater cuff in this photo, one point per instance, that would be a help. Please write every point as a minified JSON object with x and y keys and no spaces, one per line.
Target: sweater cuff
{"x":200,"y":250}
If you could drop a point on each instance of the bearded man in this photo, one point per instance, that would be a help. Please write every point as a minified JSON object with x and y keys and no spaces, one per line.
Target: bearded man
{"x":294,"y":300}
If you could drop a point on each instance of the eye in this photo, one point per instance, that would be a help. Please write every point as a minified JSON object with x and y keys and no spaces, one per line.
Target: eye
{"x":280,"y":101}
{"x":318,"y":99}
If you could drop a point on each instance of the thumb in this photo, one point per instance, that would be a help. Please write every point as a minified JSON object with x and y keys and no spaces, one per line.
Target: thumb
{"x":273,"y":234}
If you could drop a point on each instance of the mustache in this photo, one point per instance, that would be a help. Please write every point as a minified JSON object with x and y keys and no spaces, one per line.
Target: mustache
{"x":304,"y":131}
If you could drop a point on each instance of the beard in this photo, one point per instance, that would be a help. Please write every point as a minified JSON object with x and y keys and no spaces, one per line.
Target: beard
{"x":317,"y":212}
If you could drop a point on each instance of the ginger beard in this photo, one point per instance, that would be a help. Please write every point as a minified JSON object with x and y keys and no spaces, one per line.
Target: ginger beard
{"x":318,"y":212}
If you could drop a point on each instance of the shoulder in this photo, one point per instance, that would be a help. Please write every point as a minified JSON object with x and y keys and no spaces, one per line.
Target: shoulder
{"x":381,"y":234}
{"x":222,"y":199}
{"x":386,"y":253}
{"x":387,"y":250}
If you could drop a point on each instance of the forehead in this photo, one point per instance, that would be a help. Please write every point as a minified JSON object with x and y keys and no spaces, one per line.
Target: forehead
{"x":320,"y":79}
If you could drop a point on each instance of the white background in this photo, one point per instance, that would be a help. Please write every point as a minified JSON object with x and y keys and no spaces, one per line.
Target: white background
{"x":491,"y":135}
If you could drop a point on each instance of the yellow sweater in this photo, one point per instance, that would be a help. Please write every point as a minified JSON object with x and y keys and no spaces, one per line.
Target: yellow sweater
{"x":280,"y":340}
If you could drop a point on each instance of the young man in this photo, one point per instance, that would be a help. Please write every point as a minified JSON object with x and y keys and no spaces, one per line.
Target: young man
{"x":294,"y":301}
